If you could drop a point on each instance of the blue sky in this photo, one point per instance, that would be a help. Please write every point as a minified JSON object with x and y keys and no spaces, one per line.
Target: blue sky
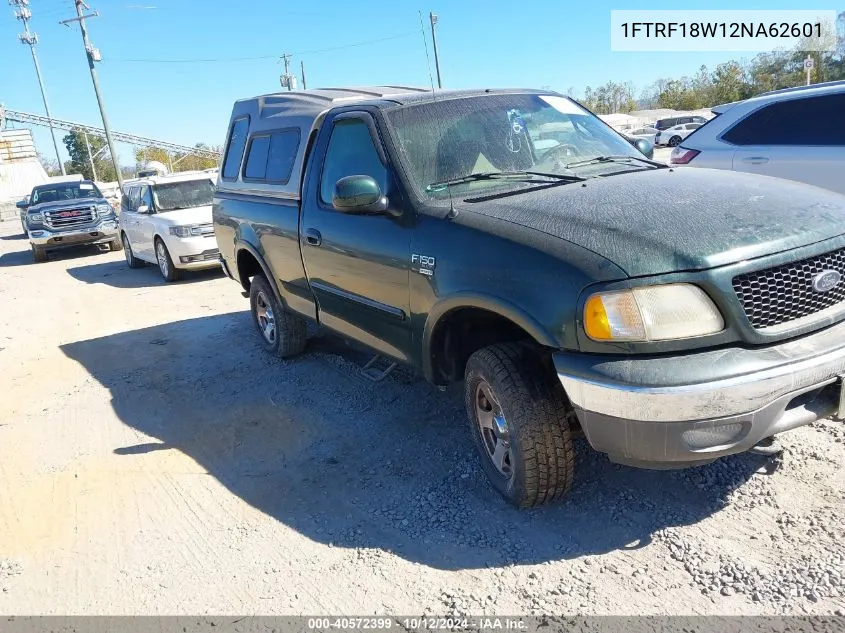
{"x":561,"y":43}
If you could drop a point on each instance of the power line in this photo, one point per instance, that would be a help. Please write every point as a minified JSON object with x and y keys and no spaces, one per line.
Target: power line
{"x":23,"y":14}
{"x":216,"y":60}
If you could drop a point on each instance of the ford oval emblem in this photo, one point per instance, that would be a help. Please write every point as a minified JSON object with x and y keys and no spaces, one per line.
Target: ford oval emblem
{"x":826,"y":280}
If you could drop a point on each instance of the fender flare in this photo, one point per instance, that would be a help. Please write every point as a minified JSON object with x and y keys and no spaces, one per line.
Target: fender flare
{"x":241,"y":245}
{"x":491,"y":303}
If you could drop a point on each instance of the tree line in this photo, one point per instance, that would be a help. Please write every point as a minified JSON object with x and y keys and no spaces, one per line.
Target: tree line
{"x":80,"y":163}
{"x":730,"y":81}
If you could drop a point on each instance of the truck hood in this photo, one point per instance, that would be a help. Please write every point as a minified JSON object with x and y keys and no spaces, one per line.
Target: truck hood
{"x":65,"y":204}
{"x":667,"y":220}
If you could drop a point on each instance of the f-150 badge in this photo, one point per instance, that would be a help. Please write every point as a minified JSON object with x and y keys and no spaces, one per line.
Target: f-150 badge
{"x":424,"y":264}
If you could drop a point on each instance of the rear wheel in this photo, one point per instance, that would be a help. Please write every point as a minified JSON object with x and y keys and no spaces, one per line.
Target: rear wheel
{"x":674,"y":141}
{"x":39,"y":254}
{"x":165,"y":263}
{"x":131,"y":260}
{"x":282,"y":333}
{"x":520,"y":421}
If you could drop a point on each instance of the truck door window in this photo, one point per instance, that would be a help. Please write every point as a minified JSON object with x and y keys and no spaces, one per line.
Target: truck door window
{"x":351,"y":152}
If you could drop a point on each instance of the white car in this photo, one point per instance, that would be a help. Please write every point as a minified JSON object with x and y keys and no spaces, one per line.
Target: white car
{"x":166,"y":220}
{"x":796,"y":133}
{"x":648,"y":133}
{"x":675,"y":134}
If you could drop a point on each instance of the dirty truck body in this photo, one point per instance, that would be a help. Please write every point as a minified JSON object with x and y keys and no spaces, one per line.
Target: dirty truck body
{"x":673,"y":316}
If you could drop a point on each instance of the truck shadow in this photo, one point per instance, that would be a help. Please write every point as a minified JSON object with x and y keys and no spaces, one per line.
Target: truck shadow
{"x":370,"y":465}
{"x":118,"y":275}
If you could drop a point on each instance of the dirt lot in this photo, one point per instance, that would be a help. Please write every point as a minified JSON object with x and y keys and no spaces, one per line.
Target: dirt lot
{"x":154,"y":461}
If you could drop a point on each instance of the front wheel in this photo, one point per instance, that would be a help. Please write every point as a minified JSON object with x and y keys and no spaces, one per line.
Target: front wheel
{"x":674,"y":141}
{"x":520,"y":422}
{"x":39,"y":254}
{"x":115,"y":244}
{"x":282,"y":333}
{"x":165,"y":263}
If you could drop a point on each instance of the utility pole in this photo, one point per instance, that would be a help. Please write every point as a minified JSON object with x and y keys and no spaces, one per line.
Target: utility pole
{"x":23,"y":14}
{"x":287,"y":80}
{"x":433,"y":18}
{"x":302,"y":68}
{"x":808,"y":67}
{"x":94,"y":56}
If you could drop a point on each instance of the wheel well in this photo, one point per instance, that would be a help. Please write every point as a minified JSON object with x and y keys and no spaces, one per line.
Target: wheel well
{"x":248,"y":267}
{"x":462,"y":332}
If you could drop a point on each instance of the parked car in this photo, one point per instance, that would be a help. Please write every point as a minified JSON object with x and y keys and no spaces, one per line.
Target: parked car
{"x":674,"y":135}
{"x":648,"y":133}
{"x":68,"y":213}
{"x":797,"y":133}
{"x":166,"y":220}
{"x":665,"y":124}
{"x":672,"y":327}
{"x":53,"y":179}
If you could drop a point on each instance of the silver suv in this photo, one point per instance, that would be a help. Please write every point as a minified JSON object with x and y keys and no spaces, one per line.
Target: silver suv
{"x":795,"y":133}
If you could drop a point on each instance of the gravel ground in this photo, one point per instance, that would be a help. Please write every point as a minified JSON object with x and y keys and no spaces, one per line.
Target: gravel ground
{"x":154,"y":461}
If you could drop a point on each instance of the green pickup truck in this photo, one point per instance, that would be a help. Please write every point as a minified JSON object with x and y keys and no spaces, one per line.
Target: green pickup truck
{"x":511,"y":240}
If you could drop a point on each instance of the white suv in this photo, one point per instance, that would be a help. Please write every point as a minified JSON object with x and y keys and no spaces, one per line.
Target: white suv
{"x":795,"y":133}
{"x":674,"y":135}
{"x":166,"y":220}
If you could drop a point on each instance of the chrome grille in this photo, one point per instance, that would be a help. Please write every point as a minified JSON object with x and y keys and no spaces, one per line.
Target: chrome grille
{"x":785,"y":293}
{"x":69,"y":218}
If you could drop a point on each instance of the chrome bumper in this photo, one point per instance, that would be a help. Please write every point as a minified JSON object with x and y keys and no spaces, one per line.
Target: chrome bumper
{"x":101,"y":232}
{"x":659,"y":411}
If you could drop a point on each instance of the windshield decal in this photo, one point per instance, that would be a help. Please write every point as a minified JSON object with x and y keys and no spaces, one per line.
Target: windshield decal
{"x":84,"y":186}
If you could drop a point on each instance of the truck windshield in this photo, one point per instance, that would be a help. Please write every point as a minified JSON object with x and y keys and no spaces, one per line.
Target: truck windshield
{"x":171,"y":196}
{"x":446,"y":141}
{"x":64,"y":191}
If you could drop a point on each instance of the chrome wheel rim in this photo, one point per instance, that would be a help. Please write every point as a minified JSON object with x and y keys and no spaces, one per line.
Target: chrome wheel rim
{"x":161,"y":256}
{"x":493,"y":428}
{"x":264,"y":317}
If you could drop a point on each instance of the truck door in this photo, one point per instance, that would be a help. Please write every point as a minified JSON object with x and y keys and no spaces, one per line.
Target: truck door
{"x":357,"y":265}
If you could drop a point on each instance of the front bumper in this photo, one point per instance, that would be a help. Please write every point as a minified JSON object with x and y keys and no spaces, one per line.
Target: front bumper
{"x":98,"y":233}
{"x":193,"y":253}
{"x":676,"y":411}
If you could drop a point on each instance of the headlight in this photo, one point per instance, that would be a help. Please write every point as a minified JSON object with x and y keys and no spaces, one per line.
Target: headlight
{"x":35,"y":218}
{"x":104,"y":210}
{"x":180,"y":231}
{"x":651,"y":313}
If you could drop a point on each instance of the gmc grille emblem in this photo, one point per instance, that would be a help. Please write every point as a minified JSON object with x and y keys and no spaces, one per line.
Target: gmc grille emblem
{"x":826,"y":280}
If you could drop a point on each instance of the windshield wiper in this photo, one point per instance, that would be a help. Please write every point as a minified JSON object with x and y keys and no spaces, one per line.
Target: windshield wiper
{"x":614,"y":158}
{"x":503,"y":175}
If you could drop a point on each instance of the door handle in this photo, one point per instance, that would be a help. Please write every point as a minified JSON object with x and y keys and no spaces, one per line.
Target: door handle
{"x":313,"y":237}
{"x":755,"y":160}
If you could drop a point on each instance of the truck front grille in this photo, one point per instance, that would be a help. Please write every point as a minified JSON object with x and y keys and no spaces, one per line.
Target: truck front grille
{"x":68,"y":218}
{"x":785,"y":293}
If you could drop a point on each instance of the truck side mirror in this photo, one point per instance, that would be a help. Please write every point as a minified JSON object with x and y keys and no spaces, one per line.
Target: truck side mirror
{"x":22,"y":204}
{"x":143,"y":209}
{"x":645,"y":147}
{"x":359,"y":194}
